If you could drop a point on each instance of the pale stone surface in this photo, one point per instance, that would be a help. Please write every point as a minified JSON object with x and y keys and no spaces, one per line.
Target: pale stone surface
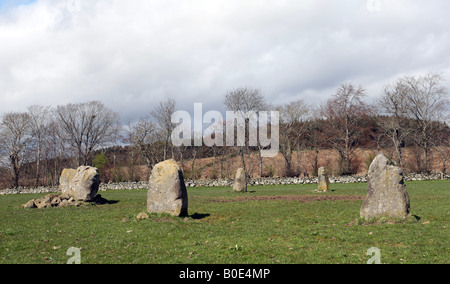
{"x":324,"y":182}
{"x":387,"y":194}
{"x":65,"y":181}
{"x":240,"y":182}
{"x":81,"y":184}
{"x":166,"y":190}
{"x":30,"y":204}
{"x":51,"y":200}
{"x":142,"y":216}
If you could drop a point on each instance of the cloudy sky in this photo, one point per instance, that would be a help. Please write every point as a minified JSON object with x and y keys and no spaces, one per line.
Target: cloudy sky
{"x":133,"y":54}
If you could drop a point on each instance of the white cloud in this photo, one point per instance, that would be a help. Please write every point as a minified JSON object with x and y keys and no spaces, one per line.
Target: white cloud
{"x":132,"y":54}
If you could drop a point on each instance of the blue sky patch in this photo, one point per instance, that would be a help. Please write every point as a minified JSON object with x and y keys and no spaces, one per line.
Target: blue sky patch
{"x":8,"y":4}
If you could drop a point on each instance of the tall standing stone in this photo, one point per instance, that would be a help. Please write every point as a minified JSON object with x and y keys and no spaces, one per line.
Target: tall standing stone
{"x":324,"y":182}
{"x":82,"y":184}
{"x":65,"y":181}
{"x":387,"y":195}
{"x":240,"y":181}
{"x":166,"y":190}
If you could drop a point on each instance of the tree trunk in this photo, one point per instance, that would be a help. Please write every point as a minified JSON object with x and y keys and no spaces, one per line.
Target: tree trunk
{"x":425,"y":158}
{"x":288,"y":164}
{"x":16,"y":171}
{"x":38,"y":161}
{"x":260,"y":164}
{"x":242,"y":154}
{"x":316,"y":163}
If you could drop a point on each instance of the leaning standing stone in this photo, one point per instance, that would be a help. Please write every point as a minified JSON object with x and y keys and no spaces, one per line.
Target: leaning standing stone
{"x":240,"y":182}
{"x":65,"y":181}
{"x":81,"y":184}
{"x":387,"y":195}
{"x":167,"y":191}
{"x":324,"y":182}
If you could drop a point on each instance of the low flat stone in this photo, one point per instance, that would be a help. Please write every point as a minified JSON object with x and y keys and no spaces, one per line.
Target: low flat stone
{"x":142,"y":216}
{"x":30,"y":204}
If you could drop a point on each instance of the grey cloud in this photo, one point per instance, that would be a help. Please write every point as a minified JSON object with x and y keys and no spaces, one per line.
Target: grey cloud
{"x":132,"y":54}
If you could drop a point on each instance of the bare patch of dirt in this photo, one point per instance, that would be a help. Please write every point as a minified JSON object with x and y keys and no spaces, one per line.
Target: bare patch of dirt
{"x":299,"y":198}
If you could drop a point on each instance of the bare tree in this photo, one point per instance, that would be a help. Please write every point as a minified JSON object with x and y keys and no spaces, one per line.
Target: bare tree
{"x":15,"y":139}
{"x":39,"y":122}
{"x":441,"y":143}
{"x":245,"y":100}
{"x":163,"y":116}
{"x":426,"y":102}
{"x":315,"y":140}
{"x":395,"y":124}
{"x":292,"y":127}
{"x":142,"y":135}
{"x":86,"y":127}
{"x":343,"y":113}
{"x":54,"y":151}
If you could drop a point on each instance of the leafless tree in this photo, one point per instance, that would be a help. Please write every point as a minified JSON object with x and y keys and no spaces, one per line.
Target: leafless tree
{"x":343,"y":113}
{"x":39,"y":122}
{"x":163,"y":116}
{"x":395,"y":123}
{"x":441,"y":144}
{"x":142,"y":135}
{"x":245,"y":100}
{"x":293,"y":116}
{"x":426,"y":102}
{"x":54,"y":151}
{"x":15,"y":139}
{"x":86,"y":127}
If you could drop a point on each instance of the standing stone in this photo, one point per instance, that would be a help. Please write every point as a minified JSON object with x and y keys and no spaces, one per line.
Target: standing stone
{"x":65,"y":181}
{"x":240,"y":181}
{"x":166,"y":190}
{"x":81,"y":184}
{"x":387,"y":194}
{"x":324,"y":182}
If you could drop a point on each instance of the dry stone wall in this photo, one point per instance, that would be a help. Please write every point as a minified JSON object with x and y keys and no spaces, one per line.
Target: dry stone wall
{"x":224,"y":183}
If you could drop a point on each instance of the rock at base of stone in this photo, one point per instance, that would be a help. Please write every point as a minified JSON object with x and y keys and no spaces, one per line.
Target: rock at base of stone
{"x":30,"y":204}
{"x":240,"y":182}
{"x":387,"y":194}
{"x":51,"y":200}
{"x":142,"y":216}
{"x":167,"y":191}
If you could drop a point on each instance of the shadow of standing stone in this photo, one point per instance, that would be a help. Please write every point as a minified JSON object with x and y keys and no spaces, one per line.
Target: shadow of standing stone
{"x":387,"y":194}
{"x":166,"y":190}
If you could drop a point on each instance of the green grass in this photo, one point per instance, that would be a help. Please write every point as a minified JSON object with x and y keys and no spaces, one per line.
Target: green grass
{"x":229,"y":231}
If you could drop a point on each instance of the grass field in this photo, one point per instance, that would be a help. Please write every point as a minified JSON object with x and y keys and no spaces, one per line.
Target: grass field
{"x":269,"y":225}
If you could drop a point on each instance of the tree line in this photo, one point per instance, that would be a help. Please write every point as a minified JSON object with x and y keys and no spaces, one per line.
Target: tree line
{"x":412,"y":112}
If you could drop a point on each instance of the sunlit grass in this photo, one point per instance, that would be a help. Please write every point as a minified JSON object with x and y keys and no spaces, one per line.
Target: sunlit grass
{"x":229,"y":228}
